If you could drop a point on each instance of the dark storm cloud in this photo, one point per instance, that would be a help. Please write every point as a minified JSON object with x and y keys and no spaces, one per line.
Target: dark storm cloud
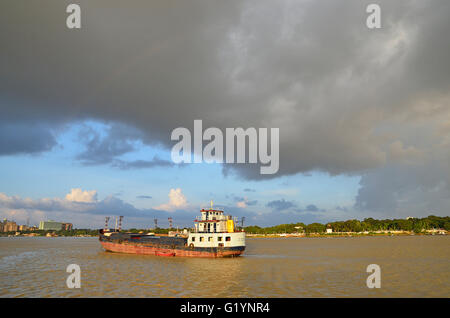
{"x":22,"y":137}
{"x":103,"y":149}
{"x":347,"y":100}
{"x":406,"y":190}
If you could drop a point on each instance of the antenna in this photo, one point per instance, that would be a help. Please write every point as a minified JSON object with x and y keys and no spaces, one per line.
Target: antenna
{"x":170,"y":222}
{"x":120,"y":222}
{"x":106,"y":222}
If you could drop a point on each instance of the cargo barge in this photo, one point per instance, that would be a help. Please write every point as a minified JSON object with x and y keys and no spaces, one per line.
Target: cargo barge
{"x":215,"y":235}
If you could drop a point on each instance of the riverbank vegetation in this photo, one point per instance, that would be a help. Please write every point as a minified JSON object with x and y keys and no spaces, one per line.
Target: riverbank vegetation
{"x":369,"y":225}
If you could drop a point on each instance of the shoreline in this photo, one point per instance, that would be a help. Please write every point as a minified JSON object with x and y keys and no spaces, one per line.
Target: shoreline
{"x":281,"y":235}
{"x":331,"y":235}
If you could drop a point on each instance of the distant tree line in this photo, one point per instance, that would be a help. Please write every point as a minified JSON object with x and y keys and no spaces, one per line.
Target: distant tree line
{"x":370,"y":225}
{"x":367,"y":225}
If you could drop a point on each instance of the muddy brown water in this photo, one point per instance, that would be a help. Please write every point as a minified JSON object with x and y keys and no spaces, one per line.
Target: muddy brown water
{"x":411,"y":266}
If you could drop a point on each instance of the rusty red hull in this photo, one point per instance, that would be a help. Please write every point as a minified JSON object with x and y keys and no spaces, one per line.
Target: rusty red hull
{"x":179,"y":252}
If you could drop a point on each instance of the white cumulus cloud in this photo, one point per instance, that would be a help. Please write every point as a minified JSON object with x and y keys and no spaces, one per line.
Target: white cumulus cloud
{"x":78,"y":195}
{"x":177,"y":201}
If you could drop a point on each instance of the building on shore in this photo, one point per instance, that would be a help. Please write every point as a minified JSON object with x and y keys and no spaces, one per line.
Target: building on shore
{"x":8,"y":226}
{"x":66,"y":226}
{"x":23,"y":228}
{"x":11,"y":226}
{"x":51,"y":225}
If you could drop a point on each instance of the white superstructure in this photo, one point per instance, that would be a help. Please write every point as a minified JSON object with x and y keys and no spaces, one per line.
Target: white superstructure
{"x":215,"y":229}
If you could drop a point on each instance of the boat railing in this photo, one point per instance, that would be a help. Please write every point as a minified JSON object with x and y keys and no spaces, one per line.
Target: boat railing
{"x":213,"y":218}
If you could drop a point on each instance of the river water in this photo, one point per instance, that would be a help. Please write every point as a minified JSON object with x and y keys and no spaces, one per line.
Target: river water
{"x":411,"y":266}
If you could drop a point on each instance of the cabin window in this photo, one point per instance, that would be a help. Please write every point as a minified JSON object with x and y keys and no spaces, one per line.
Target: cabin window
{"x":228,"y":238}
{"x":193,"y":239}
{"x":219,"y":238}
{"x":209,"y":239}
{"x":201,"y":238}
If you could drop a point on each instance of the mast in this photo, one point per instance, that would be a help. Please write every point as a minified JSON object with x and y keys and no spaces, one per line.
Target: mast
{"x":120,"y":222}
{"x":106,"y":222}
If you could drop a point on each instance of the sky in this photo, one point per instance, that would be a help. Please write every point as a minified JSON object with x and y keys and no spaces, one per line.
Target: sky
{"x":87,"y":114}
